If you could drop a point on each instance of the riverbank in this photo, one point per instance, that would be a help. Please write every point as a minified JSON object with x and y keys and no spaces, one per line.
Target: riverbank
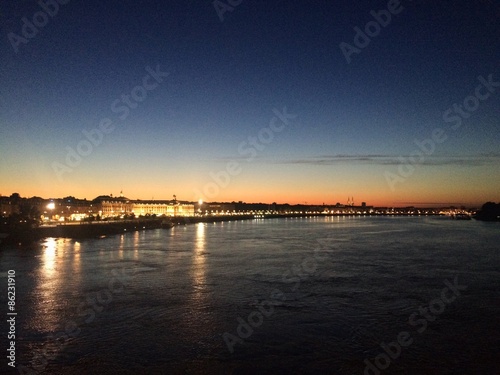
{"x":25,"y":234}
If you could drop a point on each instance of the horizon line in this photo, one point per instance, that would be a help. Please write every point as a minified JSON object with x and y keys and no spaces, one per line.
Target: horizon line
{"x":400,"y":204}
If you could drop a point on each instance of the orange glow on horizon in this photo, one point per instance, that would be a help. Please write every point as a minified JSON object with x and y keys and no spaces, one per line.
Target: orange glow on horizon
{"x":429,"y":191}
{"x":372,"y":198}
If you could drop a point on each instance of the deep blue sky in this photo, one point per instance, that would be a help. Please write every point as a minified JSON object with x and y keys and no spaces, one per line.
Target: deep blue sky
{"x":353,"y":120}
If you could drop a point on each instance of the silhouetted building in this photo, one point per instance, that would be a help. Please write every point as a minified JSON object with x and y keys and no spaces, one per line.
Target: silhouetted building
{"x":7,"y":207}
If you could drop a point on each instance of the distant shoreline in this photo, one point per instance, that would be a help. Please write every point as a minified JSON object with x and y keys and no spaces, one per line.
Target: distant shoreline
{"x":77,"y":230}
{"x":219,"y":218}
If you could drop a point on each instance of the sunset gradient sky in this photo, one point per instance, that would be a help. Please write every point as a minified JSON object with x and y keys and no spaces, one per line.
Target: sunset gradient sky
{"x":351,"y":129}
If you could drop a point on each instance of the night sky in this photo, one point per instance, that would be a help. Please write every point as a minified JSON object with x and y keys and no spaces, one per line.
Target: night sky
{"x":221,"y":80}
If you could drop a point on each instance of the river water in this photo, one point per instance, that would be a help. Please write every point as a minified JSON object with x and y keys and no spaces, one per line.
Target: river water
{"x":298,"y":295}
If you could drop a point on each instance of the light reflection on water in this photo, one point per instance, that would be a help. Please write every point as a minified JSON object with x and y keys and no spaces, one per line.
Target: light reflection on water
{"x":136,"y":244}
{"x":49,"y":257}
{"x":120,"y":248}
{"x":49,"y":284}
{"x":76,"y":262}
{"x":199,"y":259}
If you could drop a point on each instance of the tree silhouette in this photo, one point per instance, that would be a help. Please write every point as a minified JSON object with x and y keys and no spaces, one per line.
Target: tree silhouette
{"x":489,"y":212}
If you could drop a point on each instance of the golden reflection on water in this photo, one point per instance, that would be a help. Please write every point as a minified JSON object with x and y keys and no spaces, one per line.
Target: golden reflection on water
{"x":50,"y":282}
{"x":200,"y":237}
{"x":199,"y":261}
{"x":120,"y":247}
{"x":49,"y":258}
{"x":136,"y":245}
{"x":200,"y":321}
{"x":77,"y":264}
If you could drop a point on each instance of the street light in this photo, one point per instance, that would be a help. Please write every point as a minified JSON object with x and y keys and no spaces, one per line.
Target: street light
{"x":51,"y":206}
{"x":200,"y":202}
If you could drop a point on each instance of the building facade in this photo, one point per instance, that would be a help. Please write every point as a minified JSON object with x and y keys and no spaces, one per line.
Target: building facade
{"x":167,"y":208}
{"x":108,"y":206}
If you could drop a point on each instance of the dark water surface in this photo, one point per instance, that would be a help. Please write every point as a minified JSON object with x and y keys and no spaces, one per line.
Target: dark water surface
{"x":316,"y":295}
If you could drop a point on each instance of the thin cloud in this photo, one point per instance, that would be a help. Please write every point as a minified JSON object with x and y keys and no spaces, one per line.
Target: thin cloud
{"x":381,"y":159}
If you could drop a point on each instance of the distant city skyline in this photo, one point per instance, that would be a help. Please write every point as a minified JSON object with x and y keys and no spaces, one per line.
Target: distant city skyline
{"x":388,"y":102}
{"x":350,"y":200}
